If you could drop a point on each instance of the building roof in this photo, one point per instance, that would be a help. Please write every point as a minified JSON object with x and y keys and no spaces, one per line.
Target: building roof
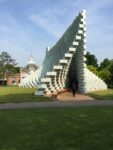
{"x":31,"y":61}
{"x":31,"y":66}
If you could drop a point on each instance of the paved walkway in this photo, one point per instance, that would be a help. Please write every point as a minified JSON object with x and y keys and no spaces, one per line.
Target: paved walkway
{"x":64,"y":100}
{"x":54,"y":104}
{"x":67,"y":96}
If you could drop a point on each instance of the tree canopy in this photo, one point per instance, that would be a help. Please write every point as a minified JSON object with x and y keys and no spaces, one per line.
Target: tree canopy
{"x":7,"y":65}
{"x":105,"y":63}
{"x":91,"y":60}
{"x":104,"y":70}
{"x":6,"y":59}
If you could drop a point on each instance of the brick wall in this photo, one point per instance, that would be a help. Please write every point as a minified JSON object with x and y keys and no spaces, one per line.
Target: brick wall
{"x":13,"y":80}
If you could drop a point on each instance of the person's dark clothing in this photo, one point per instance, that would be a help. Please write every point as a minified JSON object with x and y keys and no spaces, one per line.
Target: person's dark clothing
{"x":74,"y":89}
{"x":74,"y":92}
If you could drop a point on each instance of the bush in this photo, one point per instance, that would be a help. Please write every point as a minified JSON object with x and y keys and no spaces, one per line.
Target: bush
{"x":93,"y":69}
{"x":107,"y":75}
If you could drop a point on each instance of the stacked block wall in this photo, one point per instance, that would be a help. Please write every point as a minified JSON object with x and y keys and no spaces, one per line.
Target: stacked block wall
{"x":72,"y":42}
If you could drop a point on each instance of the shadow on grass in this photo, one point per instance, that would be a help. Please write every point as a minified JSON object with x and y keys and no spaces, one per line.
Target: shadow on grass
{"x":23,"y":97}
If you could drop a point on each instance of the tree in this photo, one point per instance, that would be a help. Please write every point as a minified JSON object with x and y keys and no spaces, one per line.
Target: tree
{"x":7,"y":65}
{"x":92,"y":69}
{"x":6,"y":59}
{"x":91,"y":60}
{"x":105,"y":75}
{"x":106,"y":62}
{"x":106,"y":72}
{"x":17,"y":69}
{"x":111,"y":74}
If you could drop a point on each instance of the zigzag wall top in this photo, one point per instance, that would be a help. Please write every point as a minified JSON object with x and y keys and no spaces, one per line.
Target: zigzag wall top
{"x":62,"y":46}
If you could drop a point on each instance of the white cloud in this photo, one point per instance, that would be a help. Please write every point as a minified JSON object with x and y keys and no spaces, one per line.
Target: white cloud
{"x":46,"y":24}
{"x":100,"y":29}
{"x":51,"y":21}
{"x":99,"y":23}
{"x":99,"y":26}
{"x":19,"y":39}
{"x":16,"y":40}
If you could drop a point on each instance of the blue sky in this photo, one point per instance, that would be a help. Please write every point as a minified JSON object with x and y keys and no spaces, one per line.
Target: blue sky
{"x":29,"y":26}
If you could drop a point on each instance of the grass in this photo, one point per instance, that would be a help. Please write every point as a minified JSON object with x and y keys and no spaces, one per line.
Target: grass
{"x":102,"y":95}
{"x":89,"y":128}
{"x":17,"y":94}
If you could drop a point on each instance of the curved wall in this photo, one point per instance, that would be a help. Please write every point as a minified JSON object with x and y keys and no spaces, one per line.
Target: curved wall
{"x":66,"y":58}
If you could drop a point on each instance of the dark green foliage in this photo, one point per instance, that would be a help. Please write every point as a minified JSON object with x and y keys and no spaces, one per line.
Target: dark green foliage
{"x":111,"y":75}
{"x":91,"y":60}
{"x":106,"y":72}
{"x":7,"y":65}
{"x":93,"y":69}
{"x":105,"y":75}
{"x":17,"y":69}
{"x":106,"y":62}
{"x":6,"y":59}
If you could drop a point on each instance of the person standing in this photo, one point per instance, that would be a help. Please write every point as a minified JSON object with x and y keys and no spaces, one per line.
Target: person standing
{"x":74,"y":89}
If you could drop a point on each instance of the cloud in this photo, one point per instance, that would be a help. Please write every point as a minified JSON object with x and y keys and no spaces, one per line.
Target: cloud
{"x":15,"y":39}
{"x":99,"y":22}
{"x":51,"y":20}
{"x":49,"y":23}
{"x":99,"y":26}
{"x":20,"y":33}
{"x":99,"y":29}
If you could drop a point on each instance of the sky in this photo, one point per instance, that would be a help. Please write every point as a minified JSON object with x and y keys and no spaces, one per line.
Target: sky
{"x":27,"y":27}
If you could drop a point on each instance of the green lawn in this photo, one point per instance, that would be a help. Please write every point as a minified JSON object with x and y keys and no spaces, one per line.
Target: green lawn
{"x":89,"y":128}
{"x":102,"y":95}
{"x":17,"y":94}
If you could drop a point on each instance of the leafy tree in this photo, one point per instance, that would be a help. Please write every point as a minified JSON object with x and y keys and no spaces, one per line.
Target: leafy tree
{"x":7,"y":65}
{"x":92,"y":69}
{"x":17,"y":69}
{"x":91,"y":60}
{"x":104,"y":71}
{"x":107,"y":73}
{"x":106,"y":62}
{"x":6,"y":59}
{"x":111,"y":75}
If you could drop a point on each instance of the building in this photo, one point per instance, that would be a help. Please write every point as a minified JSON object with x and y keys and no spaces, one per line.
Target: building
{"x":13,"y":79}
{"x":29,"y":69}
{"x":65,"y":63}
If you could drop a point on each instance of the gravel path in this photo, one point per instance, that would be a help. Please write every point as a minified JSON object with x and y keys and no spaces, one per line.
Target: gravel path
{"x":67,"y":96}
{"x":56,"y":104}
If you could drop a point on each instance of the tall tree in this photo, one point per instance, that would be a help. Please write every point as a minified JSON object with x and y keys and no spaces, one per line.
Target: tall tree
{"x":6,"y":59}
{"x":93,"y":69}
{"x":106,"y":72}
{"x":7,"y":65}
{"x":105,"y":63}
{"x":91,"y":60}
{"x":111,"y":74}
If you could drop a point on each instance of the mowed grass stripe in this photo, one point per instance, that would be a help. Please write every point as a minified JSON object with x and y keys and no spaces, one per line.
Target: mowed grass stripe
{"x":18,"y":94}
{"x":102,"y":95}
{"x":89,"y":128}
